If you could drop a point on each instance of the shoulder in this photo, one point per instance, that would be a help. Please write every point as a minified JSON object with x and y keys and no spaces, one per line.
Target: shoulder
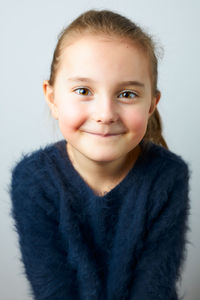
{"x":168,"y":181}
{"x":33,"y":162}
{"x":166,"y":163}
{"x":165,"y":154}
{"x":31,"y":177}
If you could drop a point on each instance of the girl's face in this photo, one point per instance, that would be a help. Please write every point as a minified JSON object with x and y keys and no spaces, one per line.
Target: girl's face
{"x":102,"y":97}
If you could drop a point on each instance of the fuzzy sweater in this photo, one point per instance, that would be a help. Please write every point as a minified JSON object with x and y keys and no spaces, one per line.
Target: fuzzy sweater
{"x":127,"y":244}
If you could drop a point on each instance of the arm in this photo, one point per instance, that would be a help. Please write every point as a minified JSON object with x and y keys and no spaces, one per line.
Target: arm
{"x":159,"y":266}
{"x":41,"y":246}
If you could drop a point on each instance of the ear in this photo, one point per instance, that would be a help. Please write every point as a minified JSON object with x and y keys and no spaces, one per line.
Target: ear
{"x":49,"y":96}
{"x":154,"y":103}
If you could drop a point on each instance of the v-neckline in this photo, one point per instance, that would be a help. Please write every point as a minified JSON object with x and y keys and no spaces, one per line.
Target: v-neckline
{"x":81,"y":186}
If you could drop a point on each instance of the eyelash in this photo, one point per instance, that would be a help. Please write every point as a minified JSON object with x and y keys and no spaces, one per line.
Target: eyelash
{"x":125,"y":91}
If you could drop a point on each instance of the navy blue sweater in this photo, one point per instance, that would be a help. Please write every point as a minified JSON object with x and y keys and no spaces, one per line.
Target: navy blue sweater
{"x":127,"y":244}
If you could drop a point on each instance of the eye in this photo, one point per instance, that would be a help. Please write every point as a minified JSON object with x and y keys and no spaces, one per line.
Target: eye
{"x":82,"y":91}
{"x":128,"y":95}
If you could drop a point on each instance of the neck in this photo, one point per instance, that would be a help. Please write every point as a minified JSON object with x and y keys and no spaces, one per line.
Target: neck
{"x":107,"y":174}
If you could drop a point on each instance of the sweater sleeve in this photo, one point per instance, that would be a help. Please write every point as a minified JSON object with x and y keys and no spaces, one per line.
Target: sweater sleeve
{"x":40,"y":244}
{"x":160,"y":263}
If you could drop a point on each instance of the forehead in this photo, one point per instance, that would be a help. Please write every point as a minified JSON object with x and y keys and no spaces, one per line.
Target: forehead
{"x":104,"y":57}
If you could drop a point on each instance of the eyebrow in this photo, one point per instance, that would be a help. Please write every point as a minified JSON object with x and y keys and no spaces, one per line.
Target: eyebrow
{"x":89,"y":80}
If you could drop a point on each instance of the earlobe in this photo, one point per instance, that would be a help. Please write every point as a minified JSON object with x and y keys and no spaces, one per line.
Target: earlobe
{"x":152,"y":108}
{"x":49,"y":97}
{"x":154,"y":103}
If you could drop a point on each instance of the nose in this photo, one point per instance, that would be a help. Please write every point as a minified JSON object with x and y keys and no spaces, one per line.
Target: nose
{"x":105,"y":111}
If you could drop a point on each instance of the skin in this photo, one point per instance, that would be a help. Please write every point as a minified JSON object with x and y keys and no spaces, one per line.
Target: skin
{"x":88,"y":110}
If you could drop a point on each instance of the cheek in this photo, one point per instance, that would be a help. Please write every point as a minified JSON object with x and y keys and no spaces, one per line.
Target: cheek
{"x":72,"y":116}
{"x":137,"y":120}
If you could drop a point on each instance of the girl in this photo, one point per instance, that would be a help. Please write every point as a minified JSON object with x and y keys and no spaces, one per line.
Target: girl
{"x":103,"y":213}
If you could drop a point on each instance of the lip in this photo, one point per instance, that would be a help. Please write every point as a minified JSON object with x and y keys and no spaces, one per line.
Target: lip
{"x":104,"y":135}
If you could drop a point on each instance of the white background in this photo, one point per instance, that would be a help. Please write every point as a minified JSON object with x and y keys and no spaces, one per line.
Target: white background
{"x":28,"y":35}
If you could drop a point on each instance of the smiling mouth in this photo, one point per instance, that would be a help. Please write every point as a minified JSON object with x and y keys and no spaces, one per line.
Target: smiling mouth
{"x":105,"y":135}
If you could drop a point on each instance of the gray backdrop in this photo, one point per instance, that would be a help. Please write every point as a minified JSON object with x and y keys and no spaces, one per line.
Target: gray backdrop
{"x":28,"y":36}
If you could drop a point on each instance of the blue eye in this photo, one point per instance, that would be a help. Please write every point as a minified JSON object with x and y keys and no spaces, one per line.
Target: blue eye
{"x":128,"y":94}
{"x":82,"y":91}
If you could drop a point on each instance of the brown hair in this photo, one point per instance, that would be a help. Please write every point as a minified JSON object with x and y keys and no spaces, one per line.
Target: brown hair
{"x":113,"y":24}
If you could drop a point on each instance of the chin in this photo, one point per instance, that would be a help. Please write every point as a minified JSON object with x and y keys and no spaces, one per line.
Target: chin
{"x":101,"y":158}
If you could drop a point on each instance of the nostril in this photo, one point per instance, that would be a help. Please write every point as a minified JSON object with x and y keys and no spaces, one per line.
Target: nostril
{"x":106,"y":121}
